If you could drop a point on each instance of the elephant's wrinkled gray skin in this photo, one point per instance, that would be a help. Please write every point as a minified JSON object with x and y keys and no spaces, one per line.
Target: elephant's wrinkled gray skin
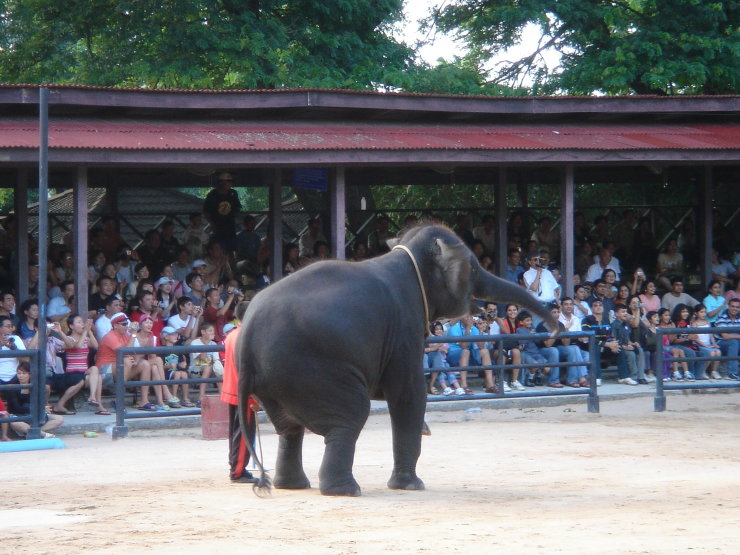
{"x":316,"y":346}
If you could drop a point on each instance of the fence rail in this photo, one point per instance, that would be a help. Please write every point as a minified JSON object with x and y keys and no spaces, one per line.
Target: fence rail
{"x":659,"y":403}
{"x":38,"y":394}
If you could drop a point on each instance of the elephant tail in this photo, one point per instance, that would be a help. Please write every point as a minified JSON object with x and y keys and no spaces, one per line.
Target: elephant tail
{"x":248,"y":406}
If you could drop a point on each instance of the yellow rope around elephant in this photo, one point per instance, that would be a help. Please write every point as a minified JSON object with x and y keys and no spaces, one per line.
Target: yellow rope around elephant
{"x":421,"y":285}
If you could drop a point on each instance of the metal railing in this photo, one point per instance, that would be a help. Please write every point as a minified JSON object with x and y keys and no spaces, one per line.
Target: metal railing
{"x":661,"y":387}
{"x":120,"y":430}
{"x":500,"y":366}
{"x":37,"y":386}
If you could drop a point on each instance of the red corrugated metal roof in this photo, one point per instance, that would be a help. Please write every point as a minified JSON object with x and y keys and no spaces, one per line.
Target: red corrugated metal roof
{"x":277,"y":136}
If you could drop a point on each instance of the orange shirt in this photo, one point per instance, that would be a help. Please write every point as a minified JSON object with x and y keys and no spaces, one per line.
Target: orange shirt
{"x":229,"y":389}
{"x":111,"y":342}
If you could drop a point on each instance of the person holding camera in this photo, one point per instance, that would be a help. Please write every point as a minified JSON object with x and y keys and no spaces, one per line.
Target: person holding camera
{"x":540,"y":282}
{"x":218,"y":313}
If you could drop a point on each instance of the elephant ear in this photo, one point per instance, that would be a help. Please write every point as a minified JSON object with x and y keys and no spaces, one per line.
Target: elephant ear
{"x":392,"y":242}
{"x":454,"y":263}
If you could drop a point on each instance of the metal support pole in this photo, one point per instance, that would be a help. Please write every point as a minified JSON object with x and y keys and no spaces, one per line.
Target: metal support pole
{"x":120,"y":430}
{"x":79,"y":238}
{"x":594,"y":359}
{"x":43,"y":239}
{"x":337,"y":210}
{"x":706,"y":235}
{"x":659,"y":401}
{"x":22,"y":255}
{"x":567,"y":240}
{"x":501,"y":224}
{"x":276,"y":225}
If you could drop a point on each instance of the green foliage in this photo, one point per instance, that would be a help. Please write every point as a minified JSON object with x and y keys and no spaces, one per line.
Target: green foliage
{"x":200,"y":43}
{"x":612,"y":46}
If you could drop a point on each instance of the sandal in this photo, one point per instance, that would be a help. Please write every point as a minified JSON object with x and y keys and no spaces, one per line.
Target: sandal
{"x":584,"y":383}
{"x":149,"y":407}
{"x":555,"y":385}
{"x":186,"y":403}
{"x":492,"y":389}
{"x":574,"y":384}
{"x":468,"y":391}
{"x":103,"y":412}
{"x":433,"y":391}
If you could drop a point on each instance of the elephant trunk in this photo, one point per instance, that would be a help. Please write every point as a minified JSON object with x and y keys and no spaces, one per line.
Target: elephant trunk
{"x":492,"y":288}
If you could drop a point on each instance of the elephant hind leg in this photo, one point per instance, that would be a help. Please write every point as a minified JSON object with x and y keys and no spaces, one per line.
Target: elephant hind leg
{"x":289,"y":472}
{"x":335,"y":475}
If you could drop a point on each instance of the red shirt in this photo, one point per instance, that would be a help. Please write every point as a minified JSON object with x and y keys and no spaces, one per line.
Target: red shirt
{"x":211,"y":315}
{"x":229,"y":389}
{"x":108,"y":347}
{"x":157,"y":323}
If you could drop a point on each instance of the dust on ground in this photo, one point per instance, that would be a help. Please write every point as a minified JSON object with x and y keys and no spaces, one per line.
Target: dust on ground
{"x":538,"y":480}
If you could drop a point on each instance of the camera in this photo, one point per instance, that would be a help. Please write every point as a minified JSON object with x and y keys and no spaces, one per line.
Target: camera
{"x":128,"y":252}
{"x":49,"y":326}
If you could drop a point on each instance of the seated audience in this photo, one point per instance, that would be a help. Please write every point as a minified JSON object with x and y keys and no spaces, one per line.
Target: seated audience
{"x":648,"y":298}
{"x":469,"y":354}
{"x":19,"y":404}
{"x":630,"y":365}
{"x":202,"y":364}
{"x":144,"y":337}
{"x":729,"y":342}
{"x":676,"y":296}
{"x":715,"y":302}
{"x":176,"y":366}
{"x":670,"y":265}
{"x":532,"y":353}
{"x":706,"y":345}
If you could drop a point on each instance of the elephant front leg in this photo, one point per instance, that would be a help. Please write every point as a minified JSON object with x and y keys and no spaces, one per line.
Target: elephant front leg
{"x":335,"y":475}
{"x":289,"y":472}
{"x":407,"y":420}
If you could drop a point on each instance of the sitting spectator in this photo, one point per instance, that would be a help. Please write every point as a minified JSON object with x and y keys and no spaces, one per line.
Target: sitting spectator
{"x":681,"y":319}
{"x":113,"y":305}
{"x":141,"y":272}
{"x":248,"y":248}
{"x":638,"y":280}
{"x":729,"y":341}
{"x":181,"y":267}
{"x":306,"y":243}
{"x":715,"y":302}
{"x":7,"y":308}
{"x":669,"y":351}
{"x":629,"y":369}
{"x":435,"y":357}
{"x":77,"y":372}
{"x":152,"y":253}
{"x":600,"y":325}
{"x":9,"y":342}
{"x":176,"y":366}
{"x":65,"y":268}
{"x":478,"y":248}
{"x":584,"y":260}
{"x":58,"y":307}
{"x":650,"y":301}
{"x":469,"y":354}
{"x":29,"y":320}
{"x":125,"y":266}
{"x":19,"y":404}
{"x":105,"y":359}
{"x":706,"y":345}
{"x":534,"y":354}
{"x":144,"y":337}
{"x":676,"y":296}
{"x":148,"y":306}
{"x":359,"y":252}
{"x":670,"y":265}
{"x":539,"y":281}
{"x":605,"y":261}
{"x":111,"y":240}
{"x":571,"y":323}
{"x":545,"y":236}
{"x":513,"y":268}
{"x":623,"y":294}
{"x":599,"y":293}
{"x":195,"y":283}
{"x":377,"y":241}
{"x":722,"y":270}
{"x":733,"y":293}
{"x":95,"y":269}
{"x":187,"y":320}
{"x":195,"y":236}
{"x":4,"y":426}
{"x":486,"y":233}
{"x":581,"y":308}
{"x":177,"y":288}
{"x":106,"y":287}
{"x":202,"y":364}
{"x":170,"y":244}
{"x":218,"y":313}
{"x":320,"y":252}
{"x":292,"y":260}
{"x":164,"y":299}
{"x":507,"y":325}
{"x":218,"y":267}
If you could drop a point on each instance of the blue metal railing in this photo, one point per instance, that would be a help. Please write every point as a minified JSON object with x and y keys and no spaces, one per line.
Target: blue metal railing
{"x":37,"y":386}
{"x":500,"y":367}
{"x":661,"y":387}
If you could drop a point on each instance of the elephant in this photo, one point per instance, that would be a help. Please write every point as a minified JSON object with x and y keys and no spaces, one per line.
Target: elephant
{"x":315,"y":347}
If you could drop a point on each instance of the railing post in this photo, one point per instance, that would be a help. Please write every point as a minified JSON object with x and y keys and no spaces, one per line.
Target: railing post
{"x":38,"y":397}
{"x":594,"y":359}
{"x":120,"y":430}
{"x":659,"y":401}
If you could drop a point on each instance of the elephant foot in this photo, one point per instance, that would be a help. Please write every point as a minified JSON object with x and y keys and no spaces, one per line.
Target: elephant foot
{"x":346,"y":489}
{"x":291,"y":482}
{"x":407,"y":481}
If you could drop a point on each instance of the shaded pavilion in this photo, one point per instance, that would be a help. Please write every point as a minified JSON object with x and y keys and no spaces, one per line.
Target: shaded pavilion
{"x":118,"y":138}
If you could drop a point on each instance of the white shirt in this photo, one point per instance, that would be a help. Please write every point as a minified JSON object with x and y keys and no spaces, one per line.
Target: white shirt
{"x":574,"y":324}
{"x":102,"y":326}
{"x":177,"y":322}
{"x":578,"y":313}
{"x":595,"y":270}
{"x":548,"y":290}
{"x":9,"y":365}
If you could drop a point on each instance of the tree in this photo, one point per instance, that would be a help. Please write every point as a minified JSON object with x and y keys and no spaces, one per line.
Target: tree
{"x":610,"y":46}
{"x":200,"y":43}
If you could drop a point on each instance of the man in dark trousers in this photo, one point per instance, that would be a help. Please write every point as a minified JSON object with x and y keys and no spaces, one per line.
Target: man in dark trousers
{"x":221,"y":208}
{"x":238,"y":452}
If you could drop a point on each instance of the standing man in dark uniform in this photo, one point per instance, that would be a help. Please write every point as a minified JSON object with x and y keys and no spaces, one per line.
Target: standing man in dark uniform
{"x":221,"y":208}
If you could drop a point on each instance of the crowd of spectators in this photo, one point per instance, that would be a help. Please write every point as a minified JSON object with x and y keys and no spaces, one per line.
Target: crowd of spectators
{"x":182,"y":289}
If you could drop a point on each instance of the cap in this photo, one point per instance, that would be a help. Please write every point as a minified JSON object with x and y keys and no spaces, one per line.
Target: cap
{"x":225,"y":176}
{"x":143,"y":317}
{"x":199,"y":263}
{"x":168,"y":330}
{"x":118,"y":317}
{"x":228,"y":327}
{"x":161,"y":281}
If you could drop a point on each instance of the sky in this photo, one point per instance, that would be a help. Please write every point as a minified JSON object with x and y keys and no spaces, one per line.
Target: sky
{"x":445,"y":47}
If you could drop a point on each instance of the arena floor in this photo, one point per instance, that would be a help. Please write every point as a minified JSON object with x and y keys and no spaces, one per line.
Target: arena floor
{"x":535,"y":480}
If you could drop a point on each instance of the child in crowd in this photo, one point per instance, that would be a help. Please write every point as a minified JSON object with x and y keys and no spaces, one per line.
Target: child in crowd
{"x":176,"y":366}
{"x":202,"y":364}
{"x":531,"y":353}
{"x":4,"y":426}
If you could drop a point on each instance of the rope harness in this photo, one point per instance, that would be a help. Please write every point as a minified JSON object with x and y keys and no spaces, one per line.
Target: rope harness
{"x":421,"y":285}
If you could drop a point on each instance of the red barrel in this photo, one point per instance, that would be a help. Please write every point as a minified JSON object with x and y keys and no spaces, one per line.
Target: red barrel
{"x":214,"y":417}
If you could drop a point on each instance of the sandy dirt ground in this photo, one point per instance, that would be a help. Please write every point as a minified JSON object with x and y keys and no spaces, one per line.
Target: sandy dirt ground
{"x":550,"y":480}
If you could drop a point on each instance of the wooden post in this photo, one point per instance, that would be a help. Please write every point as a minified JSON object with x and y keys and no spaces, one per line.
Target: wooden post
{"x":567,"y":240}
{"x":276,"y":225}
{"x":502,"y":240}
{"x":21,"y":244}
{"x":337,"y":210}
{"x":705,"y":250}
{"x":79,"y":240}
